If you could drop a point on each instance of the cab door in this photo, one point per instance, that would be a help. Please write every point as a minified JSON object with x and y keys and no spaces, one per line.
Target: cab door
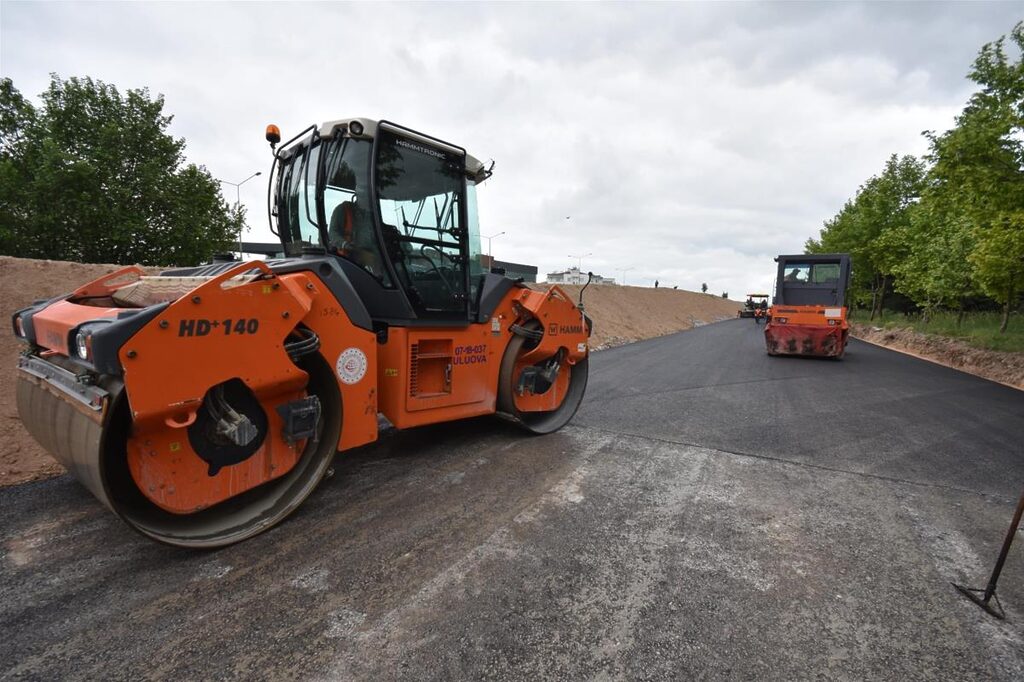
{"x":421,"y":200}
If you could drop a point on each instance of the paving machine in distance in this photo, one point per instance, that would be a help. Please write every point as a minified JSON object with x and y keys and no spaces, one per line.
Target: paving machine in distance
{"x":753,"y":304}
{"x":756,"y":304}
{"x":204,"y":405}
{"x":808,"y":315}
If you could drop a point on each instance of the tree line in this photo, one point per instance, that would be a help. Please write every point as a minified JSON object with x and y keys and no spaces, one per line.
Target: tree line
{"x":946,"y":231}
{"x":92,"y":175}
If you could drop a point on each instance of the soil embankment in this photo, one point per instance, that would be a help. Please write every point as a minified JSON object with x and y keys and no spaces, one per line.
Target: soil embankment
{"x":22,"y":281}
{"x":626,"y":314}
{"x":620,"y":314}
{"x":1006,"y":368}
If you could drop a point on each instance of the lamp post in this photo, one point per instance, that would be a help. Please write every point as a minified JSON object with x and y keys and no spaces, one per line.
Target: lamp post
{"x":238,"y":202}
{"x":579,"y":259}
{"x":489,"y":238}
{"x":622,"y":273}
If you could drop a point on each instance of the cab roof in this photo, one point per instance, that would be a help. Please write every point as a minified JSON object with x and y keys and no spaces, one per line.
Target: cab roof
{"x":814,"y":258}
{"x":474,"y":167}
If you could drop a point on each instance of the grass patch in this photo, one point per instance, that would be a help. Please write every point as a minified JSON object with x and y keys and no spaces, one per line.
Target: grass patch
{"x":980,"y":330}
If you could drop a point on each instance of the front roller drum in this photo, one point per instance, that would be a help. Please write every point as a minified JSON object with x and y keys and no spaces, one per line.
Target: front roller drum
{"x":72,"y":431}
{"x":92,"y":445}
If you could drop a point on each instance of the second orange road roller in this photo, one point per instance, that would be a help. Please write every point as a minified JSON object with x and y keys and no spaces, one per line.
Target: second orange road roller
{"x":204,"y":404}
{"x":808,"y":315}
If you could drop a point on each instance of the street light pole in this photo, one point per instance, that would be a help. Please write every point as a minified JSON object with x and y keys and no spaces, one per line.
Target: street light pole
{"x":489,"y":238}
{"x":238,"y":203}
{"x":623,"y":272}
{"x":580,"y":260}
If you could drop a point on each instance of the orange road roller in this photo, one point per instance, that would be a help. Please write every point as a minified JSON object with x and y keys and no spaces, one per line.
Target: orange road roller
{"x":204,"y":404}
{"x":808,"y":315}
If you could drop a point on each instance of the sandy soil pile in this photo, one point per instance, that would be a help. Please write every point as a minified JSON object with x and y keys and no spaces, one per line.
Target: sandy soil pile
{"x":626,"y":314}
{"x":621,"y":315}
{"x":1006,"y":368}
{"x":23,"y":281}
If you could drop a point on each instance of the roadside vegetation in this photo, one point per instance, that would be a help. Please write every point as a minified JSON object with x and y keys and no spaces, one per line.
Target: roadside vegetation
{"x":92,"y":175}
{"x":977,"y":329}
{"x":941,"y":238}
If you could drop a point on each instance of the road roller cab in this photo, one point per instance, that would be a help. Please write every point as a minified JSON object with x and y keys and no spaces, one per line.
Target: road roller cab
{"x":204,"y":404}
{"x":808,"y":314}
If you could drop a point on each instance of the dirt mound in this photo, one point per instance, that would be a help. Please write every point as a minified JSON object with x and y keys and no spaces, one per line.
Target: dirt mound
{"x":1006,"y":368}
{"x":23,"y":281}
{"x":626,"y":314}
{"x":621,"y":315}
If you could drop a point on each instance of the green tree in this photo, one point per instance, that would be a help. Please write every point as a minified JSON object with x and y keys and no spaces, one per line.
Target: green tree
{"x":950,"y":232}
{"x":869,"y":228}
{"x":936,"y":271}
{"x":980,"y":164}
{"x":843,"y":233}
{"x":92,"y":175}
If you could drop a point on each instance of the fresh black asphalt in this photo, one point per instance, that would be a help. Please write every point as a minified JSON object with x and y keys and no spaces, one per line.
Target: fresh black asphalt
{"x":875,"y":411}
{"x":711,"y":513}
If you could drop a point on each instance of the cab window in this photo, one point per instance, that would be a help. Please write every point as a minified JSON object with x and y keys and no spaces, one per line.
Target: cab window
{"x":797,"y":273}
{"x":825,"y":273}
{"x":347,"y":205}
{"x":293,"y":193}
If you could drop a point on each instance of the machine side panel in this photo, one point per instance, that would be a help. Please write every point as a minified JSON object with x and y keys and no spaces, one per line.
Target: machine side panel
{"x":493,"y":289}
{"x":431,"y":375}
{"x":434,"y":375}
{"x":352,"y":352}
{"x":329,"y":271}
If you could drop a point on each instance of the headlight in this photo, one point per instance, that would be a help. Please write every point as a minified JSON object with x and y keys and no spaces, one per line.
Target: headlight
{"x":781,"y":320}
{"x":80,"y":339}
{"x":83,"y":344}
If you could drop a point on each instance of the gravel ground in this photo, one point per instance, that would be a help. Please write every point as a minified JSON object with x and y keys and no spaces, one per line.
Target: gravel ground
{"x":711,"y":513}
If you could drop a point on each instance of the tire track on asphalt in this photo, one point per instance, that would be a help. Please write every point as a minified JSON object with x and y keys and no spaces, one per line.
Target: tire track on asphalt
{"x":806,"y":465}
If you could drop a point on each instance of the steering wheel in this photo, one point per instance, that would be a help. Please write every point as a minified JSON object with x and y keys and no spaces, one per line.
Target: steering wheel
{"x":435,"y":267}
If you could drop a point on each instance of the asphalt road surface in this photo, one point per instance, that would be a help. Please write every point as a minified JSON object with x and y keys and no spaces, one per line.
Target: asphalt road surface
{"x":710,"y":513}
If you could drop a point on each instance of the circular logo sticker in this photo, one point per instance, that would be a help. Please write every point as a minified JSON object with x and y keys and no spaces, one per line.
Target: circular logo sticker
{"x":351,"y":365}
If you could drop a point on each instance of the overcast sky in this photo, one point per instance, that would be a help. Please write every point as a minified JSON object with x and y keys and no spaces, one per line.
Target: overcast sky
{"x":689,"y":142}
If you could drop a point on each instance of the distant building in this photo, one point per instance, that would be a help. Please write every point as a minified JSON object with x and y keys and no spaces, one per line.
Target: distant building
{"x":576,"y":276}
{"x":528,"y":273}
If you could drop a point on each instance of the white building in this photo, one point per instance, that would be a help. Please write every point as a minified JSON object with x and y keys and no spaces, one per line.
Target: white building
{"x":576,"y":276}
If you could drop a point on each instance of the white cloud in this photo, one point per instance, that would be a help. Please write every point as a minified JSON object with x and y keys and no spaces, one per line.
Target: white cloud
{"x":691,"y":142}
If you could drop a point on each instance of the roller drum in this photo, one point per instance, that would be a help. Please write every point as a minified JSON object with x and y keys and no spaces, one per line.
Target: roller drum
{"x":70,"y":431}
{"x":91,"y":445}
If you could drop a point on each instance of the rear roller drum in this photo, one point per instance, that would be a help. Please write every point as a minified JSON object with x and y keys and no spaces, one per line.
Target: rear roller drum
{"x":244,"y":515}
{"x":565,"y":386}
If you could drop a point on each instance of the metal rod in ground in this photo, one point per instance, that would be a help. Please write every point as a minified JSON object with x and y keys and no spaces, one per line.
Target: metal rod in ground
{"x":985,"y":601}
